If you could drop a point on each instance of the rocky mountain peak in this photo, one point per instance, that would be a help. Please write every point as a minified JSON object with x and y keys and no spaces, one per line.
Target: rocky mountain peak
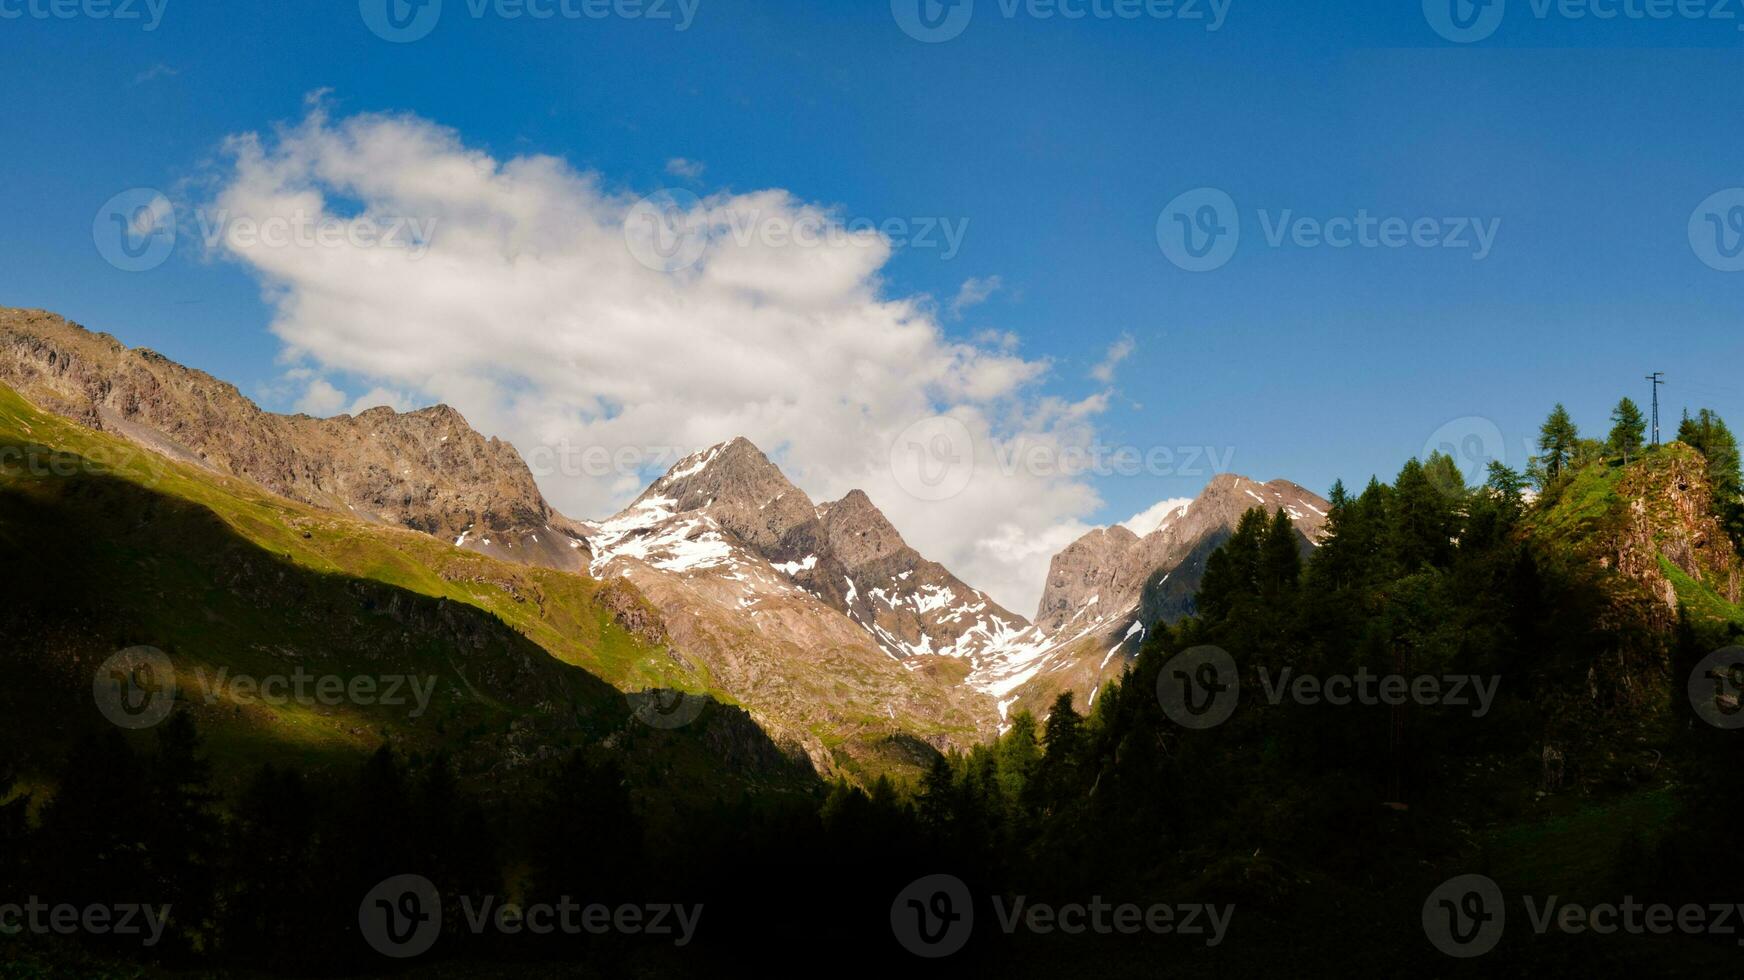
{"x":427,"y":470}
{"x":1088,"y":567}
{"x":740,"y":488}
{"x":858,"y":532}
{"x":1104,"y":573}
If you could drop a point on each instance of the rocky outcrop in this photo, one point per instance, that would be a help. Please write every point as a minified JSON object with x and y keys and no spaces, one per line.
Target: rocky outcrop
{"x":1666,"y":516}
{"x":427,"y":470}
{"x":633,"y":612}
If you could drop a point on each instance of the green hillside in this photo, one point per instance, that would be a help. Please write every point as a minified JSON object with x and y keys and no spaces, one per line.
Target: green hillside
{"x":107,"y":547}
{"x":1650,"y":521}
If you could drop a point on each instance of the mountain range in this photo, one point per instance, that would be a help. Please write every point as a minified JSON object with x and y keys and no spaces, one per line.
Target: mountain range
{"x":838,"y":637}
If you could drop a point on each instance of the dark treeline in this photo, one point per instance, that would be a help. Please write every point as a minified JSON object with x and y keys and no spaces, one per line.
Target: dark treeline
{"x":1324,"y":825}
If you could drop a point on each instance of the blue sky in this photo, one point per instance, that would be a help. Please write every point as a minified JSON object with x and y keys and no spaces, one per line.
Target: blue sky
{"x":1586,"y":145}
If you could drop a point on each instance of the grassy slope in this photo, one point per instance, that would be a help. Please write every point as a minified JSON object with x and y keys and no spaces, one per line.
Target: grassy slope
{"x":1593,"y":505}
{"x":219,"y":573}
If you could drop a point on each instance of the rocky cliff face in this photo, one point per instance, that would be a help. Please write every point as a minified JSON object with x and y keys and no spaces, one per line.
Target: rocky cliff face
{"x":1110,"y":573}
{"x":1107,"y":588}
{"x":426,"y":470}
{"x":1655,"y":523}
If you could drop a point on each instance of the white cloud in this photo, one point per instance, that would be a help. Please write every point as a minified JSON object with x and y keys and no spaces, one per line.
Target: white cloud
{"x":375,"y":397}
{"x":1118,"y":351}
{"x":1149,"y":519}
{"x":680,"y":167}
{"x":321,"y":399}
{"x":530,"y":314}
{"x":974,"y":292}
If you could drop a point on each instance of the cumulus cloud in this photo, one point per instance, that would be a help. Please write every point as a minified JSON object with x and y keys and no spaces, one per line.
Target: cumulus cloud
{"x":974,"y":292}
{"x":1118,"y":351}
{"x":529,"y":308}
{"x":1151,"y":518}
{"x":321,"y":399}
{"x":378,"y":397}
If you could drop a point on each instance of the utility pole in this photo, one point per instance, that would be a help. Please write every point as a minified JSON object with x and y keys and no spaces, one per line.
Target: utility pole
{"x":1658,"y":378}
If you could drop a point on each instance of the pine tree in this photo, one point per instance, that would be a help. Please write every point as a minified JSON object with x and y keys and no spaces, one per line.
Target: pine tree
{"x":1423,"y":521}
{"x":1281,"y":557}
{"x":1708,"y":434}
{"x":1018,"y":753}
{"x":1444,"y":475}
{"x":1558,"y":441}
{"x":1064,"y":729}
{"x":937,"y":807}
{"x":1629,"y":433}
